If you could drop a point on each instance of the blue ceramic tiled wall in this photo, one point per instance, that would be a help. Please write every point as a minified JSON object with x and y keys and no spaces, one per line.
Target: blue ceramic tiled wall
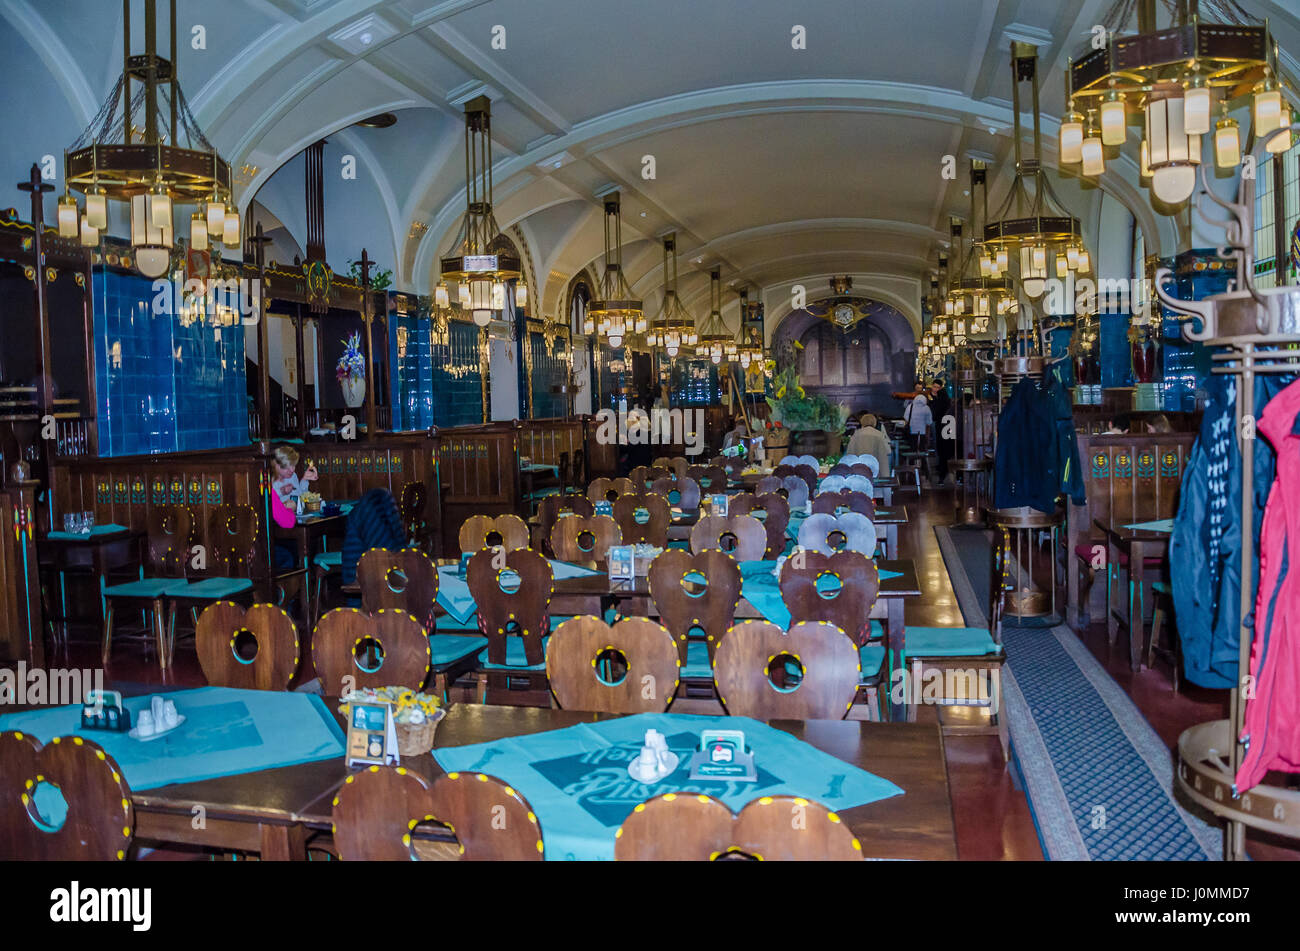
{"x":1186,"y":364}
{"x":1116,"y":357}
{"x":548,"y":371}
{"x":412,"y":396}
{"x":694,"y":383}
{"x":162,"y":386}
{"x":456,"y":380}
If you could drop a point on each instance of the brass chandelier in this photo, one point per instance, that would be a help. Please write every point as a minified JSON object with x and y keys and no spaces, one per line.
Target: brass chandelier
{"x":975,"y":296}
{"x":714,"y":339}
{"x":1031,"y":227}
{"x":617,"y":314}
{"x":168,"y":162}
{"x":478,"y":259}
{"x":750,"y":344}
{"x":1171,"y":78}
{"x":672,"y":327}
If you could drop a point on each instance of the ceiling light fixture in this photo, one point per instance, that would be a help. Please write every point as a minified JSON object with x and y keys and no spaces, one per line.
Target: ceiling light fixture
{"x":617,"y":314}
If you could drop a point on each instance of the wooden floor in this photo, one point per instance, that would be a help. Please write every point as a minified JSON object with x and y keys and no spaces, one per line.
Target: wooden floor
{"x":992,"y":816}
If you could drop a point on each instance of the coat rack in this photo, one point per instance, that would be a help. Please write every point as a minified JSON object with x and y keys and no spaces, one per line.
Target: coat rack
{"x":1253,"y":332}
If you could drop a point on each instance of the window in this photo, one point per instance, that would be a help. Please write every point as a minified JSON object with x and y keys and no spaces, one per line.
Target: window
{"x":1278,"y":171}
{"x":579,"y":301}
{"x":834,"y":358}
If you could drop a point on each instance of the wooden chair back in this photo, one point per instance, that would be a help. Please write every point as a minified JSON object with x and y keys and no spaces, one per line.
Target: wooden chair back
{"x":768,"y":484}
{"x":414,"y":506}
{"x":582,"y":677}
{"x":523,"y":612}
{"x":481,"y":531}
{"x":656,"y":511}
{"x":584,"y":539}
{"x":830,"y":503}
{"x":712,"y":479}
{"x":848,"y":607}
{"x":640,"y":477}
{"x":405,"y":580}
{"x":775,"y":522}
{"x":754,"y":651}
{"x":687,"y":489}
{"x":808,"y":474}
{"x":233,"y":549}
{"x":377,"y":809}
{"x":550,"y":507}
{"x":796,"y":491}
{"x":170,"y":530}
{"x":819,"y":533}
{"x":840,"y":469}
{"x":607,"y":490}
{"x":273,"y":645}
{"x":710,"y":607}
{"x":386,"y":648}
{"x":100,"y":819}
{"x":695,"y":827}
{"x":741,"y":536}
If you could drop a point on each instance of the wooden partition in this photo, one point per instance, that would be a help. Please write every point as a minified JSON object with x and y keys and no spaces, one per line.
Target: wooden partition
{"x":478,"y":472}
{"x":542,"y":440}
{"x":1129,"y":478}
{"x":21,"y":624}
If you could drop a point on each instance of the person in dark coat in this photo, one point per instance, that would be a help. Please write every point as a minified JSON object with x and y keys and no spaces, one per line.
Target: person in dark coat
{"x":945,"y":432}
{"x":374,"y":522}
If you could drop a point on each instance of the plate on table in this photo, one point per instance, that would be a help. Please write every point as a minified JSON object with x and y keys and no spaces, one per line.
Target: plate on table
{"x":135,"y":731}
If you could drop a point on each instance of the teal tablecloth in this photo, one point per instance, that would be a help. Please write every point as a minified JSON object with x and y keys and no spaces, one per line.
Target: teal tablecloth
{"x":1160,"y":525}
{"x":226,"y":731}
{"x":576,"y":779}
{"x":94,"y":533}
{"x":761,"y":589}
{"x":456,"y":600}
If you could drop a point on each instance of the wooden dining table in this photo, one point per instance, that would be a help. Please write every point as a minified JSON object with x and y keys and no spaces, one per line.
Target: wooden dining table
{"x":275,"y":812}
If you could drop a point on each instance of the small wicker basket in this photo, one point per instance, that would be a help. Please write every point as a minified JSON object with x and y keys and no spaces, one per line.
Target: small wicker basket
{"x":416,"y":739}
{"x":311,"y":507}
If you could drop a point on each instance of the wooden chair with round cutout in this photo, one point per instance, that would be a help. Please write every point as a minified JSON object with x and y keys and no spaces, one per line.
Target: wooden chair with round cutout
{"x":840,"y":589}
{"x":643,"y":519}
{"x":254,"y":648}
{"x":751,"y":672}
{"x":513,"y":593}
{"x":170,"y":536}
{"x":686,"y":490}
{"x":696,"y":597}
{"x":784,"y":468}
{"x":585,"y":540}
{"x":832,"y":503}
{"x":809,"y":475}
{"x":407,"y":580}
{"x":828,"y":534}
{"x":840,"y":469}
{"x":741,"y":536}
{"x":640,"y":478}
{"x":776,"y":517}
{"x":549,"y":509}
{"x":768,"y":484}
{"x":607,"y":490}
{"x":487,"y":531}
{"x":695,"y":827}
{"x":712,"y":479}
{"x":630,"y":667}
{"x":378,"y":814}
{"x":356,"y":649}
{"x":65,"y":801}
{"x":796,"y":491}
{"x":414,"y":506}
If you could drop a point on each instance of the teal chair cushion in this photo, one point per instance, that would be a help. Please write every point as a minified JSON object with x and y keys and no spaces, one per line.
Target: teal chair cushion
{"x":877,"y":628}
{"x":144,"y":588}
{"x":872,"y":658}
{"x":329,"y":559}
{"x":949,"y":642}
{"x":445,"y":649}
{"x":212,"y":588}
{"x":697,"y":665}
{"x":515,"y":658}
{"x":1159,"y":587}
{"x":682,"y":543}
{"x":446,"y":622}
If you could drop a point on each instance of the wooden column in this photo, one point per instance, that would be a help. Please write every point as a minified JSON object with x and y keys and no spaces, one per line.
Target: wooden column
{"x":22,"y":625}
{"x":38,"y":189}
{"x":302,"y":371}
{"x":371,"y":425}
{"x":259,"y":242}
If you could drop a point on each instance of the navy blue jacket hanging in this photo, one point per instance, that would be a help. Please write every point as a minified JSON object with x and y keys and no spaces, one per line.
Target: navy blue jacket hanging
{"x":374,"y":522}
{"x":1205,"y":550}
{"x":1038,"y":451}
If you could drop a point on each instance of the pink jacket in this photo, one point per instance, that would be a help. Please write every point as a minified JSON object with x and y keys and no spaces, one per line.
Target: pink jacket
{"x":1272,"y":723}
{"x":281,"y":513}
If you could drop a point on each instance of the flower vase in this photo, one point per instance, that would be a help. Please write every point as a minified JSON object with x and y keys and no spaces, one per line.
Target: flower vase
{"x":354,"y":390}
{"x":1145,"y":354}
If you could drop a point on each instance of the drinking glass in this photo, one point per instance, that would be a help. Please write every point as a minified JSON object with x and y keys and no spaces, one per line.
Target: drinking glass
{"x":89,"y":524}
{"x":70,"y":522}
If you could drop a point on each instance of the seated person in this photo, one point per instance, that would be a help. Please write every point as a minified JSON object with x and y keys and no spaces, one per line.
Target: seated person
{"x":286,"y":483}
{"x":870,"y":440}
{"x":739,"y":434}
{"x":374,"y":522}
{"x":1118,"y":426}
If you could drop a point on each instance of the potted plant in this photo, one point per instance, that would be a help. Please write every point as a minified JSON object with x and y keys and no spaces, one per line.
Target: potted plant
{"x":351,"y":372}
{"x":814,"y":424}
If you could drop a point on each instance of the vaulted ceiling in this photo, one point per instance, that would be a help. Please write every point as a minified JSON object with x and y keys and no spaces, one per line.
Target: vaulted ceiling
{"x":780,"y":165}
